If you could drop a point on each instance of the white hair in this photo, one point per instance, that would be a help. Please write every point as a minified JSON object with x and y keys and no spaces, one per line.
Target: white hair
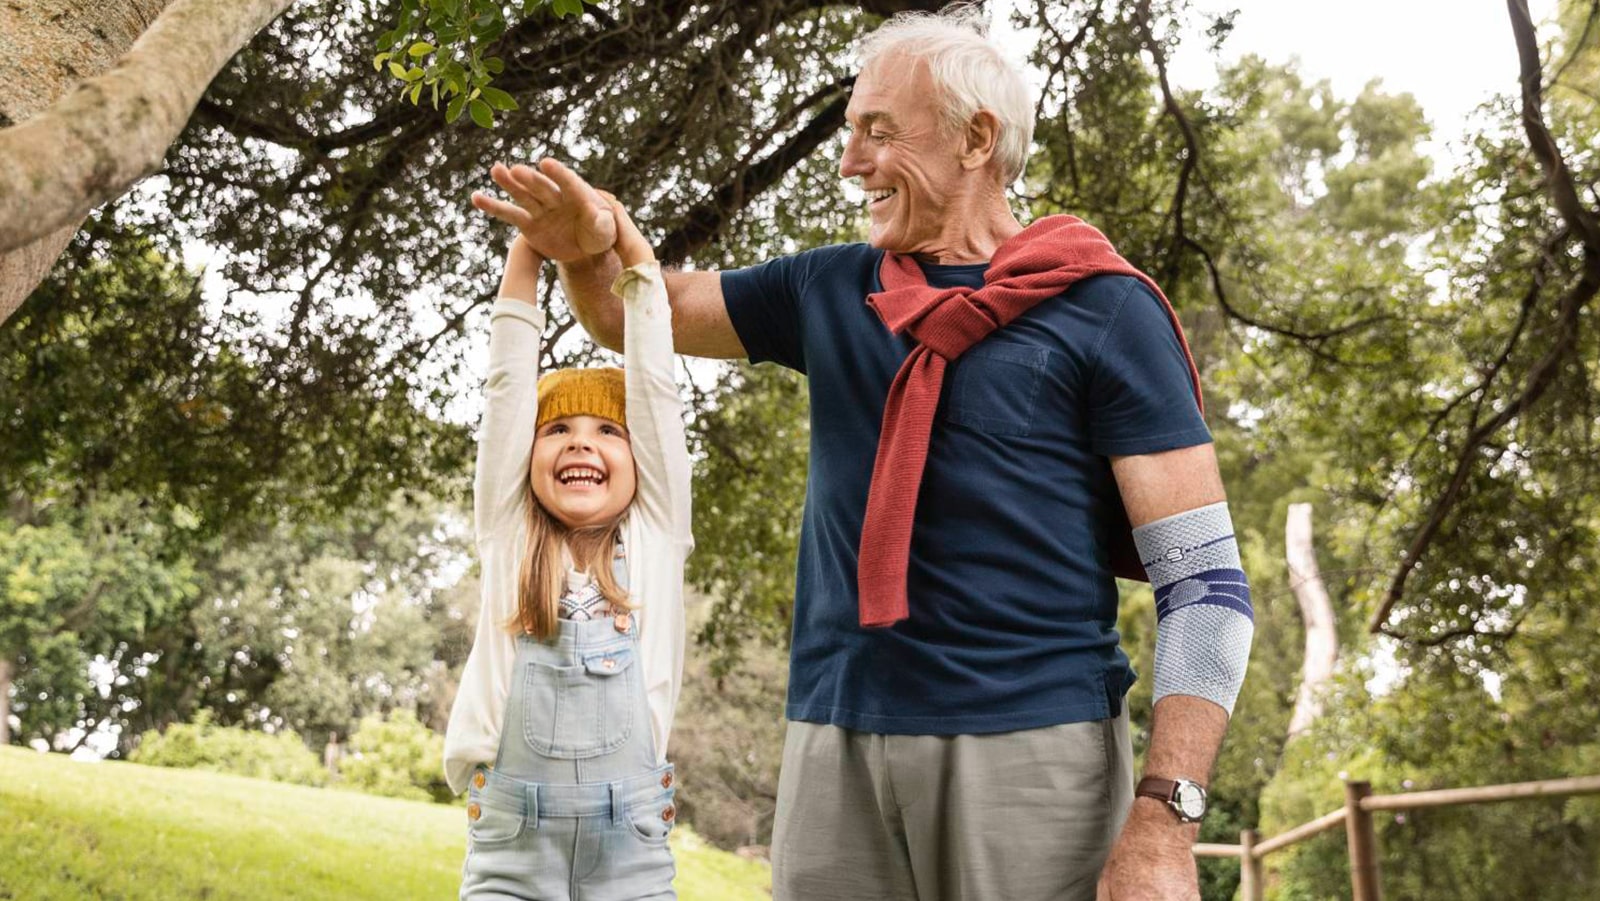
{"x":969,"y":73}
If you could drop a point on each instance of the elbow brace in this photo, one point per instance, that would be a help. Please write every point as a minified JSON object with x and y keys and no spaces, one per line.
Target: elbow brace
{"x":1204,"y":621}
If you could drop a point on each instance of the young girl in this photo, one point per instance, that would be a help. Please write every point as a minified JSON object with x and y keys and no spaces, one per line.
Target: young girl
{"x":559,"y":730}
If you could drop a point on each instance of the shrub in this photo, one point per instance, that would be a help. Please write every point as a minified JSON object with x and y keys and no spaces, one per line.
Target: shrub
{"x":396,"y":756}
{"x":204,"y":745}
{"x":727,"y":743}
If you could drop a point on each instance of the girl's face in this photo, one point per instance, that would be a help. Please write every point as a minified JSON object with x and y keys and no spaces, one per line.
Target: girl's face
{"x":582,"y":470}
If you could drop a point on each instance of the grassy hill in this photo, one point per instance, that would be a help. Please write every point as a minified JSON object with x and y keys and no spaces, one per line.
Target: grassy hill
{"x":120,"y":830}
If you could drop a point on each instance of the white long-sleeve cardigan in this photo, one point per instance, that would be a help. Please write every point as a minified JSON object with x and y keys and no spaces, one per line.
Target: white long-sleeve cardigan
{"x":655,"y":529}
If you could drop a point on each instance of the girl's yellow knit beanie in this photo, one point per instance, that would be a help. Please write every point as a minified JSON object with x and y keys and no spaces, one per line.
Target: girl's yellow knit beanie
{"x":598,"y":391}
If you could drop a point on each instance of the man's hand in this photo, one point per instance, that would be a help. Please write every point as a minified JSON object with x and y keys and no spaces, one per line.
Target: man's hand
{"x":1153,"y":859}
{"x":559,"y":215}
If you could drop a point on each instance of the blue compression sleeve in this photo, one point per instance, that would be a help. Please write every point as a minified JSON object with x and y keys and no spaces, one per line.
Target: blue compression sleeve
{"x":1204,"y":621}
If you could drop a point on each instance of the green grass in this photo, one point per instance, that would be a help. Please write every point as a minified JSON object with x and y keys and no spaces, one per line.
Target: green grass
{"x":120,"y":830}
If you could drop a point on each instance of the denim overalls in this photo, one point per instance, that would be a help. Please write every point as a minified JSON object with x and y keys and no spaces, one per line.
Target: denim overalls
{"x":576,"y":807}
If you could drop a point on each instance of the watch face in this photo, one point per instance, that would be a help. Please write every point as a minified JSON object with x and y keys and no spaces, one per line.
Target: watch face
{"x":1191,"y":800}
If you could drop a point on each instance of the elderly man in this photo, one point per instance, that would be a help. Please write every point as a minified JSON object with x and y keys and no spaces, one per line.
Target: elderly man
{"x":1001,"y":419}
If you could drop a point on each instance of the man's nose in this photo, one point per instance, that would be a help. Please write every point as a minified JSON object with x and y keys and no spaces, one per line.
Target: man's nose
{"x":853,"y":162}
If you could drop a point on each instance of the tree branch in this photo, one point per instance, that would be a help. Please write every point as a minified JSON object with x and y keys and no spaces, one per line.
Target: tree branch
{"x":1585,"y":225}
{"x":704,"y":221}
{"x":1558,"y":178}
{"x":1530,"y":300}
{"x":584,"y":57}
{"x":1313,"y":341}
{"x":1191,"y":145}
{"x":114,"y":129}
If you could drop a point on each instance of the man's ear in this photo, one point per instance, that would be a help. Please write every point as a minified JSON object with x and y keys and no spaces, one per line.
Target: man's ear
{"x":979,"y":140}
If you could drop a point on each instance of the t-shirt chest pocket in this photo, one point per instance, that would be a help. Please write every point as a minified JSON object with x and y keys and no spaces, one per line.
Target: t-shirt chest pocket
{"x":994,"y":388}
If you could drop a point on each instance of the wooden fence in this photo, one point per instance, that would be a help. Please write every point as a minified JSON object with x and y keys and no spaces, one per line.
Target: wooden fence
{"x":1356,"y":817}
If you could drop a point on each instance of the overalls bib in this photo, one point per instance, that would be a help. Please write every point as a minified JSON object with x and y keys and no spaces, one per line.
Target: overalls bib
{"x":576,"y":807}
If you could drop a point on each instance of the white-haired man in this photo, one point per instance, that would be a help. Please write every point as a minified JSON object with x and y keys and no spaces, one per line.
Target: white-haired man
{"x":1001,"y":419}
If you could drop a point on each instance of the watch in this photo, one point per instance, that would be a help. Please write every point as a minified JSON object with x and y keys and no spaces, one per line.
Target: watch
{"x":1186,"y":798}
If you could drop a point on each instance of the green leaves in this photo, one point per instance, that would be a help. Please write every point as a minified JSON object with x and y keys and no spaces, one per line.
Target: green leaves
{"x":499,"y":99}
{"x":447,"y":41}
{"x":205,"y":745}
{"x":398,"y":756}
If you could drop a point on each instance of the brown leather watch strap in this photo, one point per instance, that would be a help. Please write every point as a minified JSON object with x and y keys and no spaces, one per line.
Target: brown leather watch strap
{"x":1156,"y":787}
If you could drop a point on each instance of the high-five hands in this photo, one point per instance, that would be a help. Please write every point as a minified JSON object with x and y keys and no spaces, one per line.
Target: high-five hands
{"x":559,"y":215}
{"x":632,"y":248}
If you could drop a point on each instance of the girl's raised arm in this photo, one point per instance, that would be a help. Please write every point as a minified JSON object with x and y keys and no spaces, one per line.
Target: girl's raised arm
{"x":655,"y":410}
{"x":505,"y":443}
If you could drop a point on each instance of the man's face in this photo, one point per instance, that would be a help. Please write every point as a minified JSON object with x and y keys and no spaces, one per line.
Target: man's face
{"x":908,"y":164}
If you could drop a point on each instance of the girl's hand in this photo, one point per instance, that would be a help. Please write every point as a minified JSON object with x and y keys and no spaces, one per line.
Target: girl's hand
{"x":631,"y":247}
{"x":560,"y":216}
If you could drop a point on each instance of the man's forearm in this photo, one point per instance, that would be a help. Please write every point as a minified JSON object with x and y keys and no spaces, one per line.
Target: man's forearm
{"x":1185,"y":735}
{"x":587,"y":284}
{"x":1153,"y":856}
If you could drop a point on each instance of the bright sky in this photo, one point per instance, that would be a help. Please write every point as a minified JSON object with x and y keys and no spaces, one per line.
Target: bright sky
{"x":1451,"y":54}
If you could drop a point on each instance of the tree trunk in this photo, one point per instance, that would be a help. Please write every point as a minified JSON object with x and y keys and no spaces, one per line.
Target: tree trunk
{"x":83,"y":117}
{"x":1322,"y":640}
{"x":51,"y":45}
{"x":5,"y":702}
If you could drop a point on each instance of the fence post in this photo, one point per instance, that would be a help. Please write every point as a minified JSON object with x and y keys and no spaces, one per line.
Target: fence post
{"x":1363,"y":843}
{"x":1249,"y":867}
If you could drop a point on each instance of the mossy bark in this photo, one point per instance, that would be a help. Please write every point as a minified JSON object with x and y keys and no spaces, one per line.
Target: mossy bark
{"x":102,"y":89}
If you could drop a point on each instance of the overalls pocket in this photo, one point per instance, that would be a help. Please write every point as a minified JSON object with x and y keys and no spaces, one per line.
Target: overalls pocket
{"x":574,"y":712}
{"x":488,"y":825}
{"x":651,"y":822}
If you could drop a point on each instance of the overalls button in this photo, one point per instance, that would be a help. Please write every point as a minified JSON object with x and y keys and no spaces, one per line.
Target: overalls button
{"x":609,"y":663}
{"x":669,"y":813}
{"x":666,"y":781}
{"x":474,"y":811}
{"x":478,"y":779}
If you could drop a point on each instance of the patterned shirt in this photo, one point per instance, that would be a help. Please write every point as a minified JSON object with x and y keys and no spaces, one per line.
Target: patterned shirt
{"x":583,"y":601}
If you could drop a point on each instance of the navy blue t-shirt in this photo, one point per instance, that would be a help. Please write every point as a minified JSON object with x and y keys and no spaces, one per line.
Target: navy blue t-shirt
{"x":1013,"y":605}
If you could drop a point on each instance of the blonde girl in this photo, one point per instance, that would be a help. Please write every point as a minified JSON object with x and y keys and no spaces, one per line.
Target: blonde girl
{"x":559,"y":729}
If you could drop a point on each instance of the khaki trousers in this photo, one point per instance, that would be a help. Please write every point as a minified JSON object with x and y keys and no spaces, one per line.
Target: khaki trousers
{"x":1012,"y":816}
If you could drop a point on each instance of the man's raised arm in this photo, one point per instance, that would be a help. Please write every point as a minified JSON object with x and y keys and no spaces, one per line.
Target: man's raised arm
{"x":570,"y":222}
{"x":700,"y":323}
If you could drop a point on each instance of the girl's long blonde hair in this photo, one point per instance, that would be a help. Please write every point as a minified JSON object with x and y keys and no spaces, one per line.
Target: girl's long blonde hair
{"x":543,"y":578}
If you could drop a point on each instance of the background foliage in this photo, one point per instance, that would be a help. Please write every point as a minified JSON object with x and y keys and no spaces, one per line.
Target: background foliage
{"x":203,"y":745}
{"x":396,"y":756}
